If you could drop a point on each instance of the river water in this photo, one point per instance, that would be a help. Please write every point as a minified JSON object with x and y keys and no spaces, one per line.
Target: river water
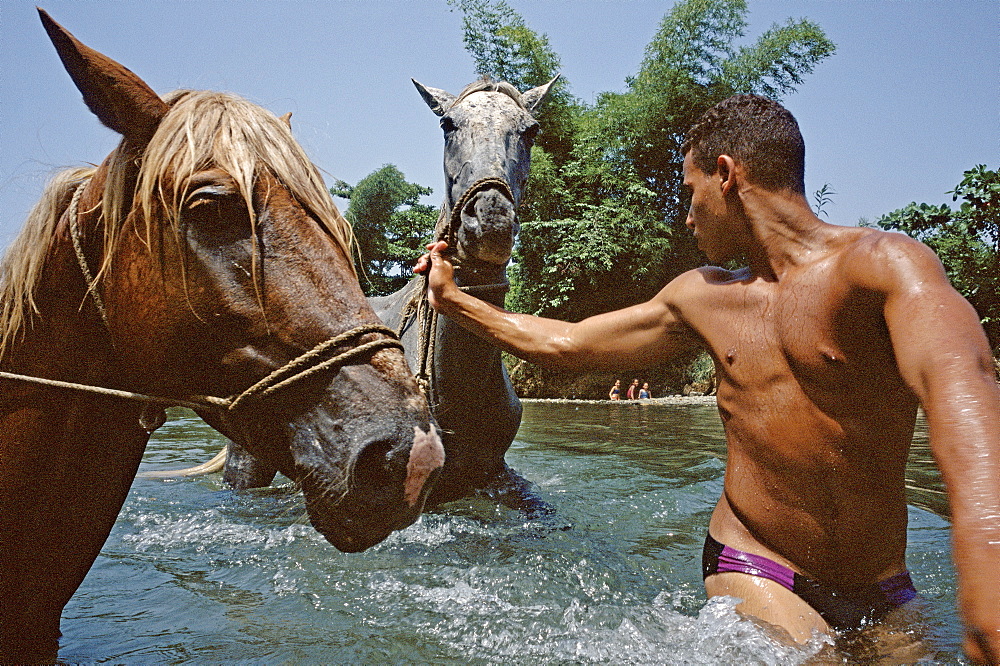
{"x":195,"y":573}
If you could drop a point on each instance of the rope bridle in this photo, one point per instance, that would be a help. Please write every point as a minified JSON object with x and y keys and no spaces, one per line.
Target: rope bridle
{"x":419,"y":307}
{"x":449,"y":232}
{"x":316,"y":360}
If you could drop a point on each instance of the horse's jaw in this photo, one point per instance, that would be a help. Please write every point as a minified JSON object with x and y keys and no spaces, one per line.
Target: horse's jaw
{"x":356,"y":501}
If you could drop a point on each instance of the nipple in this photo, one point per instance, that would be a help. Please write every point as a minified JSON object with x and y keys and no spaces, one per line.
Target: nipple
{"x":830,"y":356}
{"x":731,"y":355}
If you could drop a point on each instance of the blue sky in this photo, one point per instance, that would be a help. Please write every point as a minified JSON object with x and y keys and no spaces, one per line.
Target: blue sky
{"x":910,"y":100}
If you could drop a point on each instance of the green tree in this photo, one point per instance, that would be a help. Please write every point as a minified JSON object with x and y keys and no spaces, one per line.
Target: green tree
{"x":691,"y":64}
{"x":966,"y":240}
{"x":505,"y":49}
{"x":605,"y":209}
{"x":390,"y":224}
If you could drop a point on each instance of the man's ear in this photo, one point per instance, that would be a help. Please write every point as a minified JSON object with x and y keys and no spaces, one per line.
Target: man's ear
{"x":725,"y":167}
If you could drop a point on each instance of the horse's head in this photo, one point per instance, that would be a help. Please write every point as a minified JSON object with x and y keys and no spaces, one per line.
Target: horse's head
{"x":489,"y":130}
{"x":220,"y":258}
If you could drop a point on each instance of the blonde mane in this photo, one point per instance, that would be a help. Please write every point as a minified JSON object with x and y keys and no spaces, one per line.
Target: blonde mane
{"x":22,"y":263}
{"x":201,"y":130}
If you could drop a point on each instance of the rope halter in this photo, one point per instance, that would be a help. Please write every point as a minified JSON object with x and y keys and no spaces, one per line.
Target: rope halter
{"x":302,"y":367}
{"x":319,"y":359}
{"x":449,"y":232}
{"x":419,"y":307}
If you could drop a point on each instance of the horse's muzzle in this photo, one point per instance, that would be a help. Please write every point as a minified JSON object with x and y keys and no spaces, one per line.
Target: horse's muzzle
{"x":488,"y":227}
{"x":384,"y":490}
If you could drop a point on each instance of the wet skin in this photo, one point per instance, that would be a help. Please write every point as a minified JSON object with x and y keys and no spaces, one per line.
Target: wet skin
{"x":824,"y":347}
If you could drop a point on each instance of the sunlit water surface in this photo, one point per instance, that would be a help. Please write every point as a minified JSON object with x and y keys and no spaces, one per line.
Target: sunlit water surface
{"x":196,"y":573}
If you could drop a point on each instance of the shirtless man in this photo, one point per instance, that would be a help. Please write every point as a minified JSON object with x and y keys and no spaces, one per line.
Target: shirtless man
{"x":824,"y":346}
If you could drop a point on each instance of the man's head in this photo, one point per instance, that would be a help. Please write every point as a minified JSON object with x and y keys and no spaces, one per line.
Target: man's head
{"x":756,"y":132}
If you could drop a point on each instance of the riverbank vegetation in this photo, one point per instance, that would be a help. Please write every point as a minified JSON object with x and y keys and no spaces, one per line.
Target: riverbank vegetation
{"x":602,"y":223}
{"x":966,"y":240}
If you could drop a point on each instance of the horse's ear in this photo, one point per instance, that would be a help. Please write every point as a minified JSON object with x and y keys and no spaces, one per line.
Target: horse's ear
{"x":287,"y":119}
{"x":119,"y":98}
{"x":533,"y":98}
{"x":437,"y":99}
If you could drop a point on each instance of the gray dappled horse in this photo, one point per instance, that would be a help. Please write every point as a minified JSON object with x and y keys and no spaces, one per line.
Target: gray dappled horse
{"x":488,"y":130}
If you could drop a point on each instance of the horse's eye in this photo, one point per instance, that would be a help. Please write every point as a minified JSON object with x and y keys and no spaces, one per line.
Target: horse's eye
{"x":448,"y":125}
{"x":207,"y":194}
{"x":212,"y":200}
{"x":214,"y":207}
{"x":531,"y":131}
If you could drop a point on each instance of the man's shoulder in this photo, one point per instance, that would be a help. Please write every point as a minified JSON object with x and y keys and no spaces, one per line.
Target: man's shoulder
{"x":701,"y":287}
{"x":869,"y":241}
{"x":712,"y":276}
{"x":885,"y":259}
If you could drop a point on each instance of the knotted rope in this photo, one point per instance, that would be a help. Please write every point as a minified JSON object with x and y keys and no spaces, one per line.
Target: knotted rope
{"x":274,"y":382}
{"x":419,"y":305}
{"x":81,"y":258}
{"x":309,"y":364}
{"x":449,"y":221}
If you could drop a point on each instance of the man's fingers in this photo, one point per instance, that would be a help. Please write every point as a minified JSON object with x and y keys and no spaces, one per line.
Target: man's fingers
{"x":434,"y":251}
{"x":422,"y":263}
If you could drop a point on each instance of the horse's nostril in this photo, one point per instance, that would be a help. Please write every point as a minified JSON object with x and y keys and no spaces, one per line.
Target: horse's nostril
{"x":470,"y":209}
{"x":374,"y":465}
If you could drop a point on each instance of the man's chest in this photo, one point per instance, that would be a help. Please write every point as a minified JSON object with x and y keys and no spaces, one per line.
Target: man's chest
{"x":809,"y":331}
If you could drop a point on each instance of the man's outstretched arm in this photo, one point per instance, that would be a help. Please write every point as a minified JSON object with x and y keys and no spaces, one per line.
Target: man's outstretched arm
{"x":944,"y":357}
{"x":639,"y":336}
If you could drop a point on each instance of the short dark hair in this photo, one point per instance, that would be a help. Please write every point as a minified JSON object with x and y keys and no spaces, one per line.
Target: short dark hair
{"x":757,"y":132}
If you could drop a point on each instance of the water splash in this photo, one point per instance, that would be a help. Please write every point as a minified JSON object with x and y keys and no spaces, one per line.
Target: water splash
{"x":208,"y":530}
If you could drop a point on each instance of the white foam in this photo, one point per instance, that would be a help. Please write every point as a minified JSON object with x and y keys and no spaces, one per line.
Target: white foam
{"x":208,"y":529}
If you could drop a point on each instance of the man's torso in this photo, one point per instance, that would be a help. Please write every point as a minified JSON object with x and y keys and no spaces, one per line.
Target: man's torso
{"x":818,"y":421}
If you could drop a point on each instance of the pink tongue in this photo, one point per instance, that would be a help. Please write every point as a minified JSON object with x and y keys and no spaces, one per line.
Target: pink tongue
{"x":426,"y":455}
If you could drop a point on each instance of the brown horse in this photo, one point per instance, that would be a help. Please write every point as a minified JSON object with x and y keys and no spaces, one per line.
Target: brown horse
{"x":203,"y":257}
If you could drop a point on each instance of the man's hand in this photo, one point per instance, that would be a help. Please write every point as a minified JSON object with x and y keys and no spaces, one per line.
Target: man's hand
{"x":440,"y":275}
{"x":982,"y":646}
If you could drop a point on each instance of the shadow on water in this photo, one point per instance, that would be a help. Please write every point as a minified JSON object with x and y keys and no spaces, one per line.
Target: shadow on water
{"x":195,"y":573}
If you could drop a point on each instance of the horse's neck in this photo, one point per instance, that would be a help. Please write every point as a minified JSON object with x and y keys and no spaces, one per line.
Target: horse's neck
{"x":455,"y":345}
{"x":69,"y":459}
{"x":67,"y":339}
